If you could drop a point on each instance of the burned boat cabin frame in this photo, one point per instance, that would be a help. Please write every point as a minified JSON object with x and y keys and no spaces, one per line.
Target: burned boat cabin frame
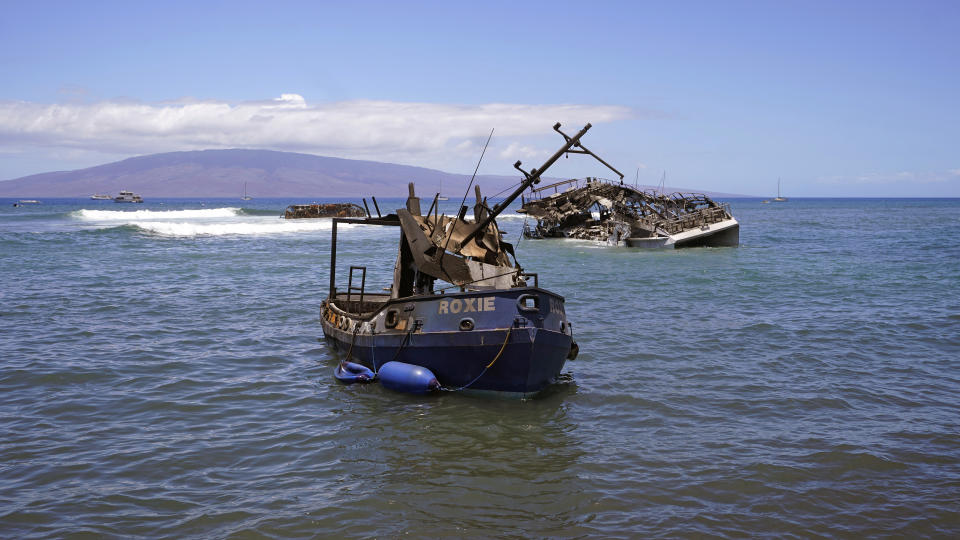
{"x":326,"y":210}
{"x":607,"y":211}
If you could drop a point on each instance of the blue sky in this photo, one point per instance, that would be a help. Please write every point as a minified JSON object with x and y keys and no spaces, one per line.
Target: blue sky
{"x":836,"y":98}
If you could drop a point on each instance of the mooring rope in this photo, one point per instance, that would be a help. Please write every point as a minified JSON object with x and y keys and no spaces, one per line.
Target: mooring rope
{"x":356,"y":329}
{"x":404,"y":342}
{"x":492,"y":362}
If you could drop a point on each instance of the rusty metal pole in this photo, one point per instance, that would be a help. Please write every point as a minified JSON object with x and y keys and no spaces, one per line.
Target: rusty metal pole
{"x":333,"y":260}
{"x":531,"y":179}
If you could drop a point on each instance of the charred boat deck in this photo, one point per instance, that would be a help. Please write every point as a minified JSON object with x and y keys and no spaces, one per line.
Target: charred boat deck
{"x":618,"y":214}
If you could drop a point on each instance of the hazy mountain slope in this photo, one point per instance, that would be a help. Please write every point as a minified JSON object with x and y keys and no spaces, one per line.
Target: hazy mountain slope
{"x":267,"y":173}
{"x":222,"y":173}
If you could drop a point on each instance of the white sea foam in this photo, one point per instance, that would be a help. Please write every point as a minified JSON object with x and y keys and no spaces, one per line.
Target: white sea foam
{"x":124,"y":215}
{"x":270,"y":226}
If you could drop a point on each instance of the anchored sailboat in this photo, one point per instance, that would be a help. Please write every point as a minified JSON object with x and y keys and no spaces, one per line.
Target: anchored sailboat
{"x":779,"y":198}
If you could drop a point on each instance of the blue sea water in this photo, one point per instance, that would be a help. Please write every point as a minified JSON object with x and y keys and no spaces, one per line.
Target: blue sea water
{"x":163,"y":375}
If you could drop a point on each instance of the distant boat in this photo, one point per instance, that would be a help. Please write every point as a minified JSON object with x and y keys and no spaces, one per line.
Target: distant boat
{"x":439,"y":196}
{"x":778,"y":198}
{"x":100,"y":197}
{"x":245,"y":198}
{"x":128,"y":196}
{"x":765,"y":201}
{"x":28,"y":201}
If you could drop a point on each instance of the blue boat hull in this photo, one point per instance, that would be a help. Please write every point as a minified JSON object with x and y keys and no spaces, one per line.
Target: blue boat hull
{"x":527,"y":348}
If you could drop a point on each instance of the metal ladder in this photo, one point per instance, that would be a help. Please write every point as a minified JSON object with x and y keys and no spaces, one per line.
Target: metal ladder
{"x":363,"y":284}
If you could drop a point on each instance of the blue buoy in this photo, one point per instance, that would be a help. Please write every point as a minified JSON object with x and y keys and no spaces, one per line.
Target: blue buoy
{"x":351,"y":372}
{"x":404,"y":377}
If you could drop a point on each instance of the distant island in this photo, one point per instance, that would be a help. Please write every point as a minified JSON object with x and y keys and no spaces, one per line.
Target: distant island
{"x":267,"y":173}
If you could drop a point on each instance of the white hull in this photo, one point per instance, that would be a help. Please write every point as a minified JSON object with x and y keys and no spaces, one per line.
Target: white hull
{"x":720,"y":234}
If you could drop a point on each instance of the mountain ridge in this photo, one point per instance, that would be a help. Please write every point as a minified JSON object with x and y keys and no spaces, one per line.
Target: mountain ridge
{"x":266,"y":173}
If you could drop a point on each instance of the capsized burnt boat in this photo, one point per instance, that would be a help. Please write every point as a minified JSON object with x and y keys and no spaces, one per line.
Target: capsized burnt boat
{"x":618,"y":214}
{"x":128,"y":197}
{"x":328,"y":210}
{"x":460,"y":304}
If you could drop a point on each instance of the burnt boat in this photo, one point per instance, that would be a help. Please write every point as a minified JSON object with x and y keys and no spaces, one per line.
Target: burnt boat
{"x":460,"y":304}
{"x":618,"y":214}
{"x":329,"y":210}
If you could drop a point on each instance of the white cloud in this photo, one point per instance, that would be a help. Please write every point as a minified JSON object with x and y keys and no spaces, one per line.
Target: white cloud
{"x":359,"y":129}
{"x":515,"y":151}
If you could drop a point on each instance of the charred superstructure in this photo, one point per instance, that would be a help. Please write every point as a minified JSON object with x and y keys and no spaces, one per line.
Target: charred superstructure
{"x":460,"y":305}
{"x":605,"y":211}
{"x":329,"y":210}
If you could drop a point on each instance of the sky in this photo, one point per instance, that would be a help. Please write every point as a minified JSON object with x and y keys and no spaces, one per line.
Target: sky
{"x":835,"y":99}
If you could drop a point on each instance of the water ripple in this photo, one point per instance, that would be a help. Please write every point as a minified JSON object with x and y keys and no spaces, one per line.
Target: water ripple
{"x":164,"y":386}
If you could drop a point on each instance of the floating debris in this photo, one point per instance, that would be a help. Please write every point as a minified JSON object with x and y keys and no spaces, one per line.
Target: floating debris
{"x":329,"y":210}
{"x":618,"y":214}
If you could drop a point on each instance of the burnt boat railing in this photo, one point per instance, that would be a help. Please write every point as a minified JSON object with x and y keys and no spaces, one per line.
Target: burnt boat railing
{"x":373,"y":304}
{"x":695,"y":218}
{"x":390,"y":221}
{"x":536,"y":194}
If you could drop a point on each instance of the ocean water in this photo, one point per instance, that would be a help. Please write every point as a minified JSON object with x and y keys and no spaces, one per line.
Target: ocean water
{"x":162,"y":375}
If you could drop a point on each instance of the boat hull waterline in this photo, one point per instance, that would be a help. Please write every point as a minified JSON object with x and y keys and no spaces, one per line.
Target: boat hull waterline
{"x":512,"y":341}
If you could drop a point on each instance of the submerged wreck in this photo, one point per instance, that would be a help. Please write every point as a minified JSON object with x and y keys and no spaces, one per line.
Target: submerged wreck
{"x":329,"y":210}
{"x":461,"y":312}
{"x":619,"y":214}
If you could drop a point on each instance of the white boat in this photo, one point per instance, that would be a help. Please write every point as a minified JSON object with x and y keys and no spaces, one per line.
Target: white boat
{"x":100,"y":197}
{"x":441,"y":197}
{"x":128,"y":196}
{"x":778,"y":198}
{"x":723,"y":233}
{"x":245,"y":198}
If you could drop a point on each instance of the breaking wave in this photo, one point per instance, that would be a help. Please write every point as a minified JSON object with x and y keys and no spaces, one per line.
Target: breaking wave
{"x":277,"y":226}
{"x":121,"y":215}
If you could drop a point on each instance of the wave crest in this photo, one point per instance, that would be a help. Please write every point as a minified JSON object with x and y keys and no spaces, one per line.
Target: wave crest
{"x":125,"y":215}
{"x":279,"y":226}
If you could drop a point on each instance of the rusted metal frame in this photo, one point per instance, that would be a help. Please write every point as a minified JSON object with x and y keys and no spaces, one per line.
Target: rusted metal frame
{"x":433,"y":206}
{"x":333,"y":242}
{"x":333,"y":260}
{"x":555,"y":184}
{"x":532,"y":177}
{"x":463,"y":208}
{"x":585,"y":150}
{"x":363,"y":284}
